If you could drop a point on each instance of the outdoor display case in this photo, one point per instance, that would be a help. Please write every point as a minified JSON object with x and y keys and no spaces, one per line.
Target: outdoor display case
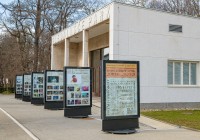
{"x":18,"y":86}
{"x":53,"y":89}
{"x":120,"y":96}
{"x":77,"y":91}
{"x":37,"y":90}
{"x":26,"y":95}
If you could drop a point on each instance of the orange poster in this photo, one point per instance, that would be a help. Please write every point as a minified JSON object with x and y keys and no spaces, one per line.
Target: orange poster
{"x":117,"y":70}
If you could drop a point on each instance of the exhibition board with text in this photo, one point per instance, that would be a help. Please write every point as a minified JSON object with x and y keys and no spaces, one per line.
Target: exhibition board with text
{"x":38,"y":85}
{"x":54,"y":85}
{"x":18,"y":85}
{"x":27,"y":85}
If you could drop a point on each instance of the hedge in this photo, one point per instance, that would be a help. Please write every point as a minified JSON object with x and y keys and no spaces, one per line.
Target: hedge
{"x":12,"y":90}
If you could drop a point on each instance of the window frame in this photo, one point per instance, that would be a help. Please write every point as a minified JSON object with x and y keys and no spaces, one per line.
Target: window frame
{"x":175,"y":31}
{"x":182,"y":74}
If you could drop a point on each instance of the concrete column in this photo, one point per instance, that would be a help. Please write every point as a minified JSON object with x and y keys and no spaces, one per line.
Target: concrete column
{"x":85,"y":49}
{"x":66,"y":54}
{"x":52,"y":57}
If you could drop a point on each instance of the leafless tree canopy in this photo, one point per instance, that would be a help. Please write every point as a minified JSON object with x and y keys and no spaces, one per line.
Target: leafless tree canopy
{"x":29,"y":24}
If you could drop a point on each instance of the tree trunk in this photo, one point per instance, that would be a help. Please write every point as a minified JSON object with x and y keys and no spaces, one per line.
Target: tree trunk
{"x":37,"y":35}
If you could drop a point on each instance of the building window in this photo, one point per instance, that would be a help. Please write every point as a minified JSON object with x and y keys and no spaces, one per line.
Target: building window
{"x":175,"y":28}
{"x":182,"y":73}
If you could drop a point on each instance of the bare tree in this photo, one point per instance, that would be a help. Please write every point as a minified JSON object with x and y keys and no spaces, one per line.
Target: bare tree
{"x":9,"y":64}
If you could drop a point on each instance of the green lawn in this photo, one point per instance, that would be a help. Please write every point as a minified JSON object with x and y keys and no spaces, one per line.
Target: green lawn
{"x":187,"y":118}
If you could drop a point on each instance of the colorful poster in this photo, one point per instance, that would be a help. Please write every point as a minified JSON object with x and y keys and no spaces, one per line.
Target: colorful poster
{"x":19,"y":80}
{"x":78,"y":87}
{"x":54,"y":86}
{"x":38,"y":85}
{"x":27,"y":85}
{"x":121,"y":89}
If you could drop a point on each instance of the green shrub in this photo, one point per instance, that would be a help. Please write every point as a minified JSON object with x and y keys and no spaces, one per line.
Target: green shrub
{"x":9,"y":91}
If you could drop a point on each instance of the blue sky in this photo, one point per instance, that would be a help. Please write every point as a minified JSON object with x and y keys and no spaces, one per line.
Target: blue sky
{"x":5,"y":1}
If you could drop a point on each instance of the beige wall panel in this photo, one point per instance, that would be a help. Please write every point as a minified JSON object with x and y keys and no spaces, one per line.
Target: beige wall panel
{"x":73,"y":57}
{"x":79,"y":54}
{"x":59,"y":57}
{"x":99,"y":42}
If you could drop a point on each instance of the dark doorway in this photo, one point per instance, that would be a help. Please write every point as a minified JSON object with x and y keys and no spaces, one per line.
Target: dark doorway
{"x":96,"y":57}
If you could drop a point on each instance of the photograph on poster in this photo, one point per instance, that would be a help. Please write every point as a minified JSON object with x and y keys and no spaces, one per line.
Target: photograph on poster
{"x":77,"y":101}
{"x":78,"y":95}
{"x":72,"y":95}
{"x":55,"y":97}
{"x":85,"y":95}
{"x":19,"y":81}
{"x":34,"y":86}
{"x":40,"y":90}
{"x":85,"y":101}
{"x":49,"y":97}
{"x":85,"y":88}
{"x":77,"y":88}
{"x":49,"y":87}
{"x":36,"y":90}
{"x":61,"y":87}
{"x":70,"y":88}
{"x":40,"y":86}
{"x":49,"y":92}
{"x":53,"y":79}
{"x":61,"y":92}
{"x":39,"y":80}
{"x":56,"y":92}
{"x":55,"y":87}
{"x":70,"y":102}
{"x":74,"y":78}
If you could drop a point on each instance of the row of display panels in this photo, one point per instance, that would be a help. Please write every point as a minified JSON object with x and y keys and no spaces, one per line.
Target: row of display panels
{"x":120,"y":88}
{"x":50,"y":86}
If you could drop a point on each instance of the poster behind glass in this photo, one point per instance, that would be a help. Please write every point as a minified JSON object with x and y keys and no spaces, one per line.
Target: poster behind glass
{"x":38,"y":85}
{"x":121,"y":89}
{"x":27,"y":85}
{"x":54,"y":83}
{"x":78,"y":87}
{"x":19,"y":80}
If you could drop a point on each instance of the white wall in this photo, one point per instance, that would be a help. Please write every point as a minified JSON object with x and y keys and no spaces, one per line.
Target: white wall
{"x":142,"y":35}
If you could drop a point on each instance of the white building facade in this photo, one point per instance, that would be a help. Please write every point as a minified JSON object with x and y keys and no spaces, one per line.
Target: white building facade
{"x":167,"y":46}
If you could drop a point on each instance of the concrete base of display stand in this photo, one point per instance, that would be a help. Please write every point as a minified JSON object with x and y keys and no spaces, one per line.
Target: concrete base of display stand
{"x":120,"y":126}
{"x":77,"y":112}
{"x":37,"y":101}
{"x":53,"y":105}
{"x":26,"y":98}
{"x":18,"y":96}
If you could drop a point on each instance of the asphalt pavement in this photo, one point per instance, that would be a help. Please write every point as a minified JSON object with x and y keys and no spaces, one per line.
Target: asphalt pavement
{"x":23,"y":121}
